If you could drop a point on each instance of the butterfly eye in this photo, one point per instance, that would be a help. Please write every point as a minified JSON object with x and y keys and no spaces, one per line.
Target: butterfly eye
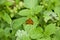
{"x":29,"y":21}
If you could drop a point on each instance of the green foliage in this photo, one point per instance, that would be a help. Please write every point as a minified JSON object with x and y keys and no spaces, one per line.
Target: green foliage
{"x":50,"y":29}
{"x":30,"y":3}
{"x":26,"y":12}
{"x":2,"y":2}
{"x":6,"y":18}
{"x":29,"y":19}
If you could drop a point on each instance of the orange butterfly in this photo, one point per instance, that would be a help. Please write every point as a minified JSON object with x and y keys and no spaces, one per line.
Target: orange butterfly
{"x":29,"y":21}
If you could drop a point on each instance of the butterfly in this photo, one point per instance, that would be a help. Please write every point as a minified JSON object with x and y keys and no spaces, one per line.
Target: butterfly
{"x":29,"y":21}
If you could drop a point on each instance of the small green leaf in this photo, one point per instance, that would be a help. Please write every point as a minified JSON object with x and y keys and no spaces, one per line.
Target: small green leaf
{"x":26,"y":12}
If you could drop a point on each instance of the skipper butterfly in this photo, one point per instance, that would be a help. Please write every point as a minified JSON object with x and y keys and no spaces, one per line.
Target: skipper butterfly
{"x":29,"y":21}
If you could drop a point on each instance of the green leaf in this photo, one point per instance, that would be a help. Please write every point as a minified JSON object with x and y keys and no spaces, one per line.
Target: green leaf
{"x":18,"y":22}
{"x":36,"y":33}
{"x":37,"y":9}
{"x":30,"y":3}
{"x":22,"y":35}
{"x":6,"y":18}
{"x":50,"y":29}
{"x":26,"y":12}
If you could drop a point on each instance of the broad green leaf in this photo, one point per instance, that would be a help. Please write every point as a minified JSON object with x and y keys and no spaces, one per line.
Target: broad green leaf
{"x":6,"y":18}
{"x":50,"y":29}
{"x":18,"y":22}
{"x":22,"y":35}
{"x":37,"y":9}
{"x":26,"y":12}
{"x":36,"y":33}
{"x":30,"y":3}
